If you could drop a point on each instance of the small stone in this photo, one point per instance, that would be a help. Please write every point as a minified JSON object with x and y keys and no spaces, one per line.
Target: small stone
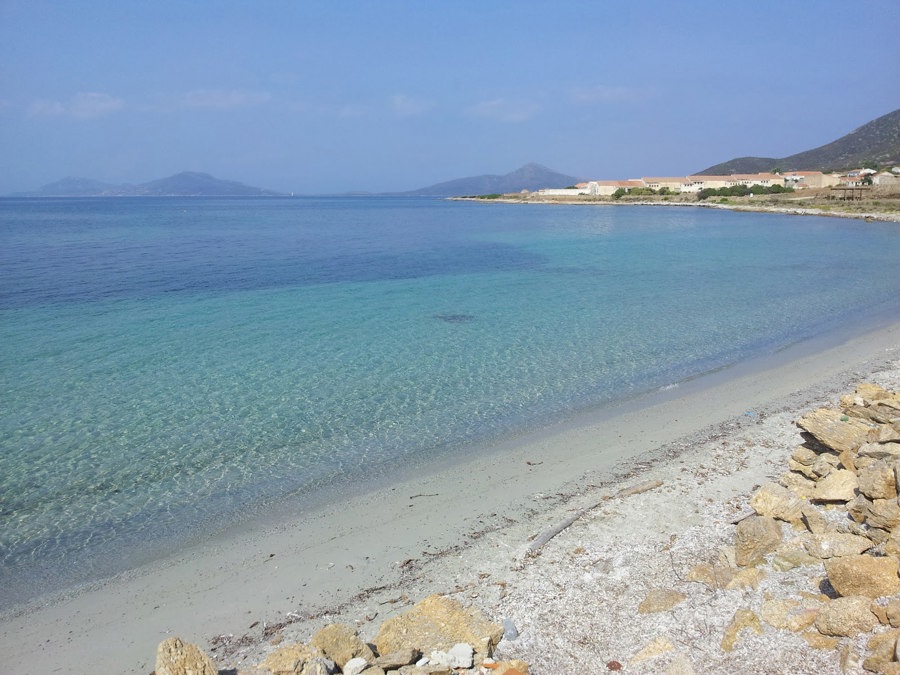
{"x":746,"y":578}
{"x":858,"y":508}
{"x":846,"y":617}
{"x":863,"y":575}
{"x":512,"y":667}
{"x":175,"y":657}
{"x":714,"y":576}
{"x":510,"y":632}
{"x":354,"y":666}
{"x":818,"y":641}
{"x":658,"y":646}
{"x":838,"y":486}
{"x":660,"y":600}
{"x":461,"y":655}
{"x":754,"y":537}
{"x":892,"y":613}
{"x":789,"y":614}
{"x":398,"y":658}
{"x":743,"y":619}
{"x":319,"y":665}
{"x":836,"y":544}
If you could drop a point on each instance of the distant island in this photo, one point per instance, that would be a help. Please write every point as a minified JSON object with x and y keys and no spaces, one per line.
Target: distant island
{"x":529,"y":177}
{"x":185,"y":184}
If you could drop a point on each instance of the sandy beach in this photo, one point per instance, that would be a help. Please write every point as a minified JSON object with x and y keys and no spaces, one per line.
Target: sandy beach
{"x":463,"y":529}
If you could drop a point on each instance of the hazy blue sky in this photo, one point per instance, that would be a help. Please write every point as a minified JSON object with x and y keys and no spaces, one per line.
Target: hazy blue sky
{"x":333,"y":96}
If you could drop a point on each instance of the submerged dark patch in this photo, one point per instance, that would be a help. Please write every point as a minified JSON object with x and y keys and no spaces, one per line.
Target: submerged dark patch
{"x":455,"y":318}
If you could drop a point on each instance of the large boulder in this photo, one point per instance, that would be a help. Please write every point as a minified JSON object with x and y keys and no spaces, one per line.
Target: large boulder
{"x":439,"y":623}
{"x":838,"y":486}
{"x":845,"y":617}
{"x":835,"y":430}
{"x":776,"y":501}
{"x":290,"y":659}
{"x":175,"y":657}
{"x":863,"y":575}
{"x":877,"y":480}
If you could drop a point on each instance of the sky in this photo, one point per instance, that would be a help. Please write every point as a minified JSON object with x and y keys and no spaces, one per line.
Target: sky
{"x":335,"y":96}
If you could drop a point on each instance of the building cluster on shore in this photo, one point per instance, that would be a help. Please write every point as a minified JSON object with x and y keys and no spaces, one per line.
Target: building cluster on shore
{"x":696,"y":183}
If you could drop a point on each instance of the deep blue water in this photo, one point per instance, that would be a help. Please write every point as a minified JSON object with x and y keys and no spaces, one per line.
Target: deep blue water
{"x":169,"y":364}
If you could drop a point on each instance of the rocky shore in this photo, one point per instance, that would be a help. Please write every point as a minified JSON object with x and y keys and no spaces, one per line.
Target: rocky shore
{"x":770,"y":545}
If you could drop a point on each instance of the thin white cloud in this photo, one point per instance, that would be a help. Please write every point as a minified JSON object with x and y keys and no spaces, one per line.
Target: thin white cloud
{"x":224,"y":99}
{"x":83,"y":105}
{"x":504,"y":110}
{"x":408,"y":106}
{"x":604,"y":93}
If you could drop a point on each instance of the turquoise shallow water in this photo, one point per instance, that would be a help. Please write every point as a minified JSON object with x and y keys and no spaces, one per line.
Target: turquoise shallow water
{"x":170,"y":365}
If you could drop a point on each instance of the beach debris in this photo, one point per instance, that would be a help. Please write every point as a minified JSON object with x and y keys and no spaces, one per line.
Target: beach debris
{"x":548,"y":534}
{"x":510,"y":632}
{"x":176,"y":657}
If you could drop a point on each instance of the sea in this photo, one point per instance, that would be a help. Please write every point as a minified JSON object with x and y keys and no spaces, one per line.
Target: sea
{"x":172,"y":366}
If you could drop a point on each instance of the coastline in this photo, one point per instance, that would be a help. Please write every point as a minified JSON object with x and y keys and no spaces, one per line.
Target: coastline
{"x":364,"y":557}
{"x":735,"y":204}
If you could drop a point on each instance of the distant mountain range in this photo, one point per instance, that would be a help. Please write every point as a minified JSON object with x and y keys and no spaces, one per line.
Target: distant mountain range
{"x":186,"y":184}
{"x":528,"y":177}
{"x":878,"y":142}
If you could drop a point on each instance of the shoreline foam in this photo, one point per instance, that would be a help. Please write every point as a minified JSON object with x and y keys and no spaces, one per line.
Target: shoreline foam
{"x":367,"y":555}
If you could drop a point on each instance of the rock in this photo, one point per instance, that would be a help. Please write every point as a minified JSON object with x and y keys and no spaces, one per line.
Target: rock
{"x":396,"y":659}
{"x":804,"y":456}
{"x":513,"y":667}
{"x":789,"y":614}
{"x":743,"y":619}
{"x":354,"y":666}
{"x":892,"y":545}
{"x":660,"y":600}
{"x":319,"y":665}
{"x":510,"y":632}
{"x":754,"y":537}
{"x":776,"y":501}
{"x":892,"y":613}
{"x":458,"y":656}
{"x":846,"y":617}
{"x":838,"y":486}
{"x":858,"y":508}
{"x":818,"y":641}
{"x":438,"y":623}
{"x":658,"y":646}
{"x":340,"y":643}
{"x":175,"y":657}
{"x":884,"y":514}
{"x":800,"y":485}
{"x":882,"y":650}
{"x":425,"y":670}
{"x":877,"y":481}
{"x":870,"y":392}
{"x":835,"y":430}
{"x":836,"y":544}
{"x":847,"y":460}
{"x":290,"y":659}
{"x":863,"y":575}
{"x":746,"y":578}
{"x":886,"y":451}
{"x":813,"y":519}
{"x":714,"y":576}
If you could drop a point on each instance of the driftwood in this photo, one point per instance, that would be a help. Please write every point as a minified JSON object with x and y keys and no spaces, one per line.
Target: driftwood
{"x":551,"y":532}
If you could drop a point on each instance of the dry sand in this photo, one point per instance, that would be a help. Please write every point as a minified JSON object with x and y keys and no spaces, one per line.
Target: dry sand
{"x":464,"y":528}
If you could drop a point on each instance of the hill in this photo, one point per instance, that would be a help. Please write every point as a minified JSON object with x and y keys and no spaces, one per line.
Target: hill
{"x":528,"y":177}
{"x":878,"y":142}
{"x":186,"y":184}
